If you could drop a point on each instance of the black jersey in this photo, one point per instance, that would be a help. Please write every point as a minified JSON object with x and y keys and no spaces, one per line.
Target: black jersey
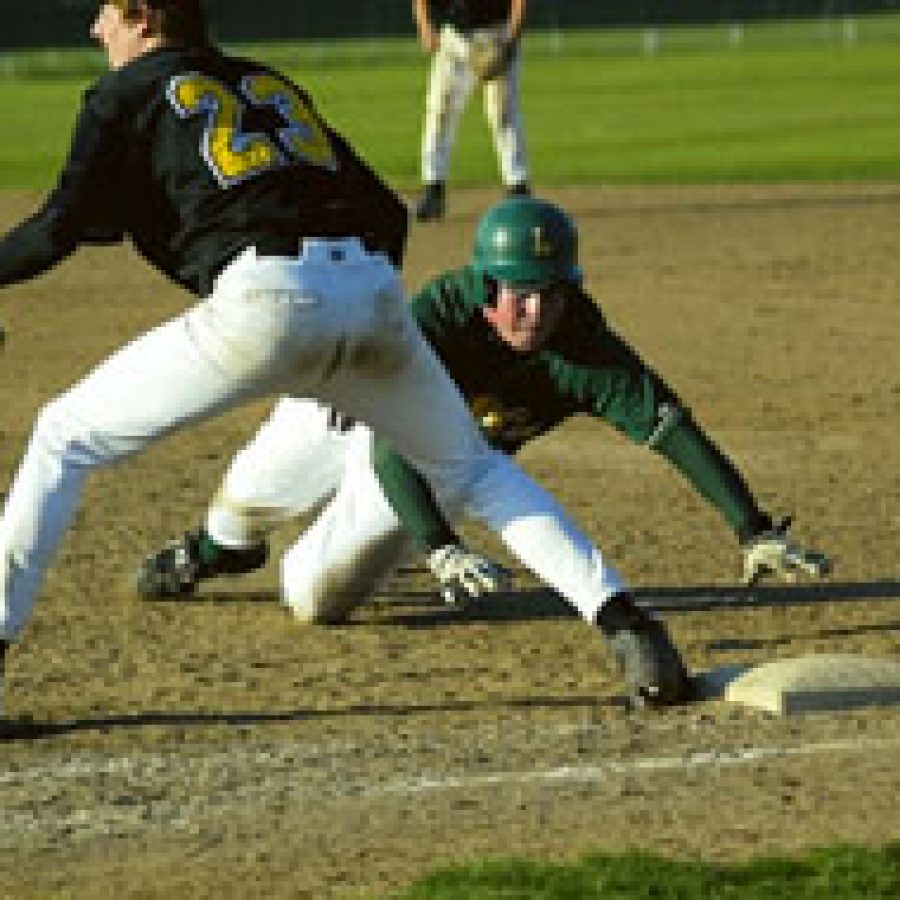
{"x":468,"y":14}
{"x":195,"y":155}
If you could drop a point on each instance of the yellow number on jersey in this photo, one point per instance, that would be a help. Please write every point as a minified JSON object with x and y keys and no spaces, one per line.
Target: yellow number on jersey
{"x":303,"y":137}
{"x":234,"y":155}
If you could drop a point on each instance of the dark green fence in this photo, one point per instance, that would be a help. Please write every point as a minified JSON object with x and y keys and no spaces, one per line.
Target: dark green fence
{"x":60,"y":23}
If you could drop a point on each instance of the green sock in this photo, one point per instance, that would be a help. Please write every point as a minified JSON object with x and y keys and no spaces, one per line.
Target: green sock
{"x":210,"y":552}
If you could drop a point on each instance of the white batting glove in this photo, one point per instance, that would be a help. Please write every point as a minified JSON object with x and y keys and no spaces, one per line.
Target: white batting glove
{"x":771,"y":553}
{"x":464,"y":575}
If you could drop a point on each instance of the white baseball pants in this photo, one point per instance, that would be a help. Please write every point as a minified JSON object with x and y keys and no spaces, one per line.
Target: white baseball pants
{"x":333,"y":324}
{"x":450,"y":85}
{"x":357,"y":539}
{"x":294,"y":463}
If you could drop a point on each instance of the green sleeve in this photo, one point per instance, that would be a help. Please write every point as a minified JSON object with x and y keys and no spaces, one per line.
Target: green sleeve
{"x":444,"y":305}
{"x":426,"y":308}
{"x":411,"y":498}
{"x":713,"y":476}
{"x":632,"y":397}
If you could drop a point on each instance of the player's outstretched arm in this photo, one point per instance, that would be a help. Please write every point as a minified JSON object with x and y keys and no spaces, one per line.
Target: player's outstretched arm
{"x":461,"y":573}
{"x":765,"y":546}
{"x":635,"y":400}
{"x":82,"y":208}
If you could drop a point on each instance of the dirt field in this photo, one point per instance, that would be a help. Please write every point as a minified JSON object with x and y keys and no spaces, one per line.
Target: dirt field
{"x":215,"y":748}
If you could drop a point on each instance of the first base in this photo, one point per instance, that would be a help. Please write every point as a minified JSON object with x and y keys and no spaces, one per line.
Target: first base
{"x":828,"y":681}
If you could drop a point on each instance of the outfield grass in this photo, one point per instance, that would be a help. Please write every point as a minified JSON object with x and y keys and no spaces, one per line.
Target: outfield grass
{"x":782,"y":106}
{"x":843,"y":872}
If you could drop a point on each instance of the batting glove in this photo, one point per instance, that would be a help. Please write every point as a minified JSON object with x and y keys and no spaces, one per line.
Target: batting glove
{"x":771,"y":553}
{"x":464,"y":575}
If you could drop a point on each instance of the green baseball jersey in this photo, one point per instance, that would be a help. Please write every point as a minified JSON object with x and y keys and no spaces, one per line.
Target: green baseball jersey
{"x":583,"y":368}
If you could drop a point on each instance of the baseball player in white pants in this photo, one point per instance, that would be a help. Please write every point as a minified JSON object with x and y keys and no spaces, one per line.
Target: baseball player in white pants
{"x":333,"y":323}
{"x":285,"y":235}
{"x":357,"y":539}
{"x":530,"y":348}
{"x":472,"y":45}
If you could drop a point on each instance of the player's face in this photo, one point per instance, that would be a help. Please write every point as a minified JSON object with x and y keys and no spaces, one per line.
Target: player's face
{"x":122,"y":39}
{"x":524,"y":319}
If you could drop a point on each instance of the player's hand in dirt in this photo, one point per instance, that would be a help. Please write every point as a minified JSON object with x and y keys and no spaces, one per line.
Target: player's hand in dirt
{"x":464,"y":575}
{"x":773,"y":553}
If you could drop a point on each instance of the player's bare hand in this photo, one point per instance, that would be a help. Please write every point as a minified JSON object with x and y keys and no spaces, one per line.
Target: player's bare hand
{"x":464,"y":575}
{"x":773,"y":553}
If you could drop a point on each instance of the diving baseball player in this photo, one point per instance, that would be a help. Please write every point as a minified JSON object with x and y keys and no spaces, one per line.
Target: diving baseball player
{"x":529,"y":348}
{"x":223,"y":175}
{"x":472,"y":42}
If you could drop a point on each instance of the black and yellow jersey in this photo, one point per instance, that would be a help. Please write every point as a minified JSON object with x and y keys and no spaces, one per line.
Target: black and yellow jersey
{"x":464,"y":15}
{"x":196,"y":155}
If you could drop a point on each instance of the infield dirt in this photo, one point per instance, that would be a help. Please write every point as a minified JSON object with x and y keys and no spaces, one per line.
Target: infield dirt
{"x":216,"y":748}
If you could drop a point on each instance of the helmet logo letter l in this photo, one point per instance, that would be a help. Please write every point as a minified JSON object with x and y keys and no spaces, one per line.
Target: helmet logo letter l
{"x":542,"y":246}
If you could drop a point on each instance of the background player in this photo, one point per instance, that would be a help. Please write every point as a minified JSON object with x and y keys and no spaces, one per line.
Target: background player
{"x":223,"y":176}
{"x":472,"y":42}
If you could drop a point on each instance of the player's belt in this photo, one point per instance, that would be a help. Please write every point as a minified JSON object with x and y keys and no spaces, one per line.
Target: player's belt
{"x":274,"y":245}
{"x":277,"y":245}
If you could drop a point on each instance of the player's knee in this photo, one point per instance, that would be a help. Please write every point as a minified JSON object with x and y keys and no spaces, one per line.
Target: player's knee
{"x":318,"y":595}
{"x":309,"y":598}
{"x":316,"y":604}
{"x":60,"y":432}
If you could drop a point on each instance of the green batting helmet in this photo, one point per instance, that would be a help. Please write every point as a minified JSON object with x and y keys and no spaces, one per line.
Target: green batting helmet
{"x":523,"y":242}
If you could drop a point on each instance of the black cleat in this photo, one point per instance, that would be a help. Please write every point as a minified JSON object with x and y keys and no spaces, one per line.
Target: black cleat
{"x":3,"y":646}
{"x":519,"y":190}
{"x":649,"y":661}
{"x":431,"y":206}
{"x":177,"y":569}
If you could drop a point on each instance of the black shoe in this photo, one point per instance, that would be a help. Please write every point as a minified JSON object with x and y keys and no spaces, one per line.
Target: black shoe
{"x":431,"y":206}
{"x":177,"y":569}
{"x":519,"y":190}
{"x":649,"y":661}
{"x":3,"y":646}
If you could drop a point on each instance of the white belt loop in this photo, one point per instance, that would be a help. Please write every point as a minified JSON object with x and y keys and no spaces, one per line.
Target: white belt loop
{"x":348,"y":249}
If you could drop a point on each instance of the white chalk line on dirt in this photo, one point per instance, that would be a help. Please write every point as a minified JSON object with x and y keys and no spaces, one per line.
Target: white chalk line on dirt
{"x":711,"y":758}
{"x":288,"y":781}
{"x":97,"y":765}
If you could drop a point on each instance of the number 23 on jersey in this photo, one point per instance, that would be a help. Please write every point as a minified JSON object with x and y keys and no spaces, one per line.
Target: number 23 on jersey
{"x":234,"y":155}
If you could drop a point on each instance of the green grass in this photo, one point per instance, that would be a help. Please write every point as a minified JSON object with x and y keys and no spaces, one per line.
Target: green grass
{"x":841,"y":872}
{"x":793,"y":102}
